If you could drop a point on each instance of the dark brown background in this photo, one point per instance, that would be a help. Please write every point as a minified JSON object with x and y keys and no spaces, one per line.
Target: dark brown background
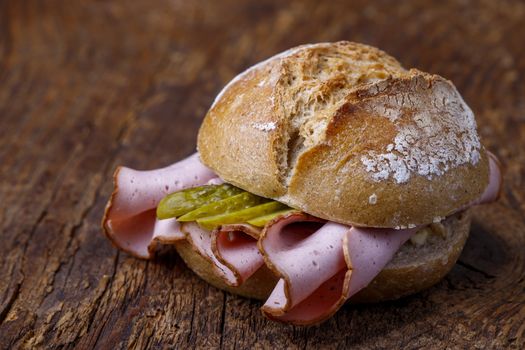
{"x":88,"y":85}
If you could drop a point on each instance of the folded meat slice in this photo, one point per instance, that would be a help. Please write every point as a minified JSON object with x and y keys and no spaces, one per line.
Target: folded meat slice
{"x":231,"y":249}
{"x":200,"y":239}
{"x":320,"y":270}
{"x":493,"y":189}
{"x":137,"y":191}
{"x":130,"y":221}
{"x":368,"y":250}
{"x":303,"y":254}
{"x":138,"y":235}
{"x":235,"y":246}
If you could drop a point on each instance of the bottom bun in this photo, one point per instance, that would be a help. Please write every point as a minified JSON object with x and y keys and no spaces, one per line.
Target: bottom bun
{"x":413,"y":268}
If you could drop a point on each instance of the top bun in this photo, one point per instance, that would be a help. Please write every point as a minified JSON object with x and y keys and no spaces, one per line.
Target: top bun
{"x":343,"y":132}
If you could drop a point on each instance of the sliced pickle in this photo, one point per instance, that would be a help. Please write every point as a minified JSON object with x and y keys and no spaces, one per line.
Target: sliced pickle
{"x":185,"y":201}
{"x":178,"y":203}
{"x":240,"y":216}
{"x":261,"y":221}
{"x":225,"y":206}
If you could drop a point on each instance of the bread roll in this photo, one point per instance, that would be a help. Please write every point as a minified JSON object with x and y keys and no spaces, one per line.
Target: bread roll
{"x":343,"y":132}
{"x":412,"y":269}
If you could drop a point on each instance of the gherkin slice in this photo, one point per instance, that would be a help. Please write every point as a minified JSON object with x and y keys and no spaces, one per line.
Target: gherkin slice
{"x":261,"y":221}
{"x":178,"y":203}
{"x":185,"y":201}
{"x":240,"y":216}
{"x":228,"y":205}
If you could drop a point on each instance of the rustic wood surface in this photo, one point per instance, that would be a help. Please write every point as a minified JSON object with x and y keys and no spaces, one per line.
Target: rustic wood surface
{"x":88,"y":85}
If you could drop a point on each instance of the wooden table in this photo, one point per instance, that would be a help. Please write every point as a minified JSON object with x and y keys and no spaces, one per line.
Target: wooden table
{"x":88,"y":85}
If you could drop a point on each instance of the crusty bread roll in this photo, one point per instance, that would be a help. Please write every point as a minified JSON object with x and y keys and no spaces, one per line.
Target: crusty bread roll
{"x":343,"y":132}
{"x":412,"y":269}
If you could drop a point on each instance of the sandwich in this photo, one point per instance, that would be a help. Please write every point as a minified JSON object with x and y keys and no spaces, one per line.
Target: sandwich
{"x":325,"y":174}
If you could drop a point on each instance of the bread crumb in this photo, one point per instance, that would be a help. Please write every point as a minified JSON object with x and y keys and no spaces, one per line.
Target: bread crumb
{"x":372,"y":199}
{"x":264,"y":126}
{"x":411,"y":225}
{"x":419,"y":238}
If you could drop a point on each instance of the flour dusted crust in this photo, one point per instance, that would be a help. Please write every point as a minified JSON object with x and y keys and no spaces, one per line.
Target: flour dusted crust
{"x":413,"y":268}
{"x":343,"y":132}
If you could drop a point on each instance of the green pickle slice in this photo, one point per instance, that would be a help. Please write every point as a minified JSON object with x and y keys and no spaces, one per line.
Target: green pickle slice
{"x":225,"y":206}
{"x":239,"y":216}
{"x":185,"y":201}
{"x":214,"y":205}
{"x":261,"y":221}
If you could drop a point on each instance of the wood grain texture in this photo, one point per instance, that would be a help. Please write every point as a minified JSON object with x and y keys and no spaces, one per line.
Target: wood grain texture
{"x":88,"y":85}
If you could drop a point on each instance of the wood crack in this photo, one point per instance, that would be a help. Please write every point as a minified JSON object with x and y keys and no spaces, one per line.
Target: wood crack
{"x":223,"y":319}
{"x":475,"y":269}
{"x":193,"y":305}
{"x":111,"y":279}
{"x":14,"y":295}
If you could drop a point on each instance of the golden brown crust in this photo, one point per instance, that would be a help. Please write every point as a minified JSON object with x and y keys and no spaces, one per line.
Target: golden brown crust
{"x":343,"y":132}
{"x":411,"y":270}
{"x":250,"y":155}
{"x":418,"y":201}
